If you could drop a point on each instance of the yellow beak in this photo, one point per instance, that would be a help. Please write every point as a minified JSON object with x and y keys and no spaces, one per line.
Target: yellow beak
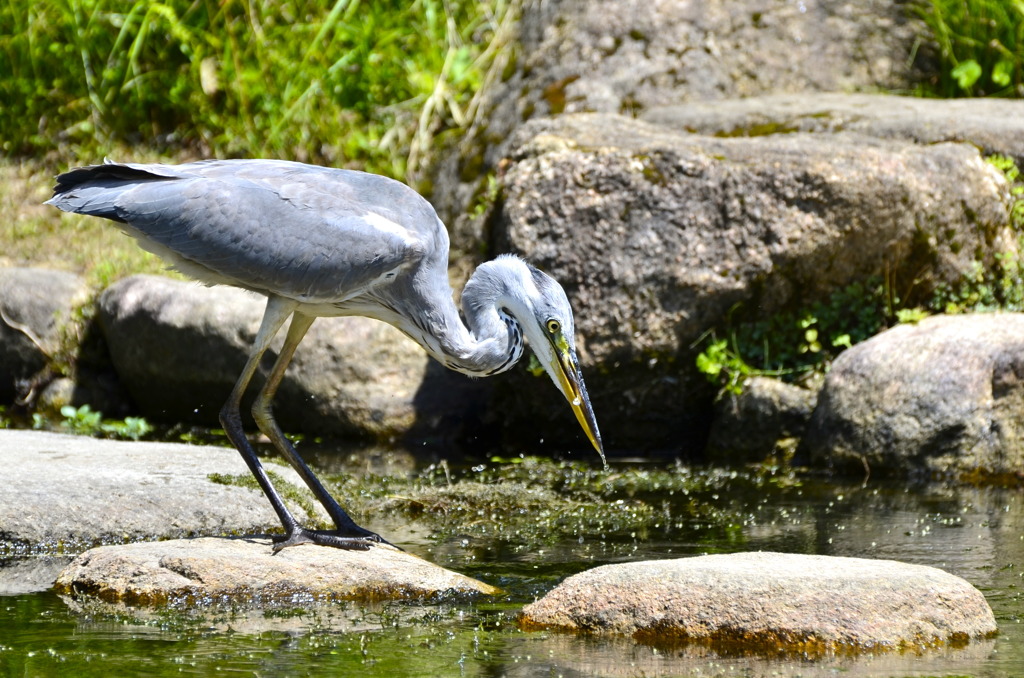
{"x":571,"y":382}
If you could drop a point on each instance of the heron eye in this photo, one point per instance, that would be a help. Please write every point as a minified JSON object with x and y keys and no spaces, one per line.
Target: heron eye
{"x":554,"y":326}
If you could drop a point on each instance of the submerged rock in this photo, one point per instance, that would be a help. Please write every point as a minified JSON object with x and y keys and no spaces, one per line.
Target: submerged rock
{"x":245,"y":571}
{"x":774,"y":602}
{"x":943,"y":395}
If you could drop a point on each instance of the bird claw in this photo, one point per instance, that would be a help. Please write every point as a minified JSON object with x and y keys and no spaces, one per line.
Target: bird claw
{"x":299,"y":536}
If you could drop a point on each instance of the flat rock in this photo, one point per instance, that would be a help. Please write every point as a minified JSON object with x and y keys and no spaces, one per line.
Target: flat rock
{"x":784,"y":601}
{"x":992,"y":125}
{"x":63,"y":493}
{"x":245,"y":571}
{"x":30,"y":575}
{"x":943,"y":395}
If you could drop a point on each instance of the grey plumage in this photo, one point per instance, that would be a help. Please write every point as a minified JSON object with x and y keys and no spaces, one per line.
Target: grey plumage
{"x":329,"y":242}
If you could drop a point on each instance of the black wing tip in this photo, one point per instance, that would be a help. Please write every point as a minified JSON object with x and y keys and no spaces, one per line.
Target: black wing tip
{"x":108,"y":170}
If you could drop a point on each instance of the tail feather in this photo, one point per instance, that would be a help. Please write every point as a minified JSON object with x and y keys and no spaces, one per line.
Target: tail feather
{"x":94,"y":190}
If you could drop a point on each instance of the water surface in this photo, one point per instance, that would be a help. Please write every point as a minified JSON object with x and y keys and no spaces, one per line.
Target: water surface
{"x":973,"y":532}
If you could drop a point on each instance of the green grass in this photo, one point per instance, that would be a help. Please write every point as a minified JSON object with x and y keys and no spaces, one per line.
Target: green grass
{"x":349,"y":83}
{"x":367,"y":85}
{"x":33,"y":234}
{"x":980,"y":46}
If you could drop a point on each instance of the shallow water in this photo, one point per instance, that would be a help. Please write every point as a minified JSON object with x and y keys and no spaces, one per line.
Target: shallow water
{"x":975,"y":533}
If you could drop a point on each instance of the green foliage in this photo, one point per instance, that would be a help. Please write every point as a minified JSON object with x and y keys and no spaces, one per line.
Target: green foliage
{"x":84,"y":421}
{"x":1009,"y":168}
{"x":347,"y":82}
{"x":722,"y":362}
{"x":795,"y":343}
{"x":980,"y":46}
{"x":1000,"y":287}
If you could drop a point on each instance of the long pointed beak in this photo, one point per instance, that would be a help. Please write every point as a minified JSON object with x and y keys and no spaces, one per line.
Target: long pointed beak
{"x":570,"y":379}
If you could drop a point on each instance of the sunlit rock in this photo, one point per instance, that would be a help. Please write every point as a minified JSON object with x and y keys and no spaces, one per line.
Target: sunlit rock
{"x":991,"y":125}
{"x":245,"y":571}
{"x":659,"y":236}
{"x":943,"y":395}
{"x":63,"y":493}
{"x":37,"y":309}
{"x":770,"y":602}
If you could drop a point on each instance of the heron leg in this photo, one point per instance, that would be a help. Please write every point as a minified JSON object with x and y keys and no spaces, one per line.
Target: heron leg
{"x":274,"y":318}
{"x":262,"y":412}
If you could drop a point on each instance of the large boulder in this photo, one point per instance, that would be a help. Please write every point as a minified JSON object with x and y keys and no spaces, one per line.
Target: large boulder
{"x":995,"y":126}
{"x":179,"y":347}
{"x":944,"y":395}
{"x":37,"y":323}
{"x":623,"y":56}
{"x":660,"y":235}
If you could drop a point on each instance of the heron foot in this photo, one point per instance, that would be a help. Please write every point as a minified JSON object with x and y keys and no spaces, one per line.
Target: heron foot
{"x":299,"y":536}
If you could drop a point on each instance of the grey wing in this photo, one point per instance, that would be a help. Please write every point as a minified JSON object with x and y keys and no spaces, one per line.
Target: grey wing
{"x":307,"y":233}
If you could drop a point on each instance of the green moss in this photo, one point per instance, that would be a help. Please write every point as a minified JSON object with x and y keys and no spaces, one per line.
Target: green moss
{"x":290,"y":493}
{"x":554,"y":94}
{"x":532,"y":502}
{"x":759,"y":130}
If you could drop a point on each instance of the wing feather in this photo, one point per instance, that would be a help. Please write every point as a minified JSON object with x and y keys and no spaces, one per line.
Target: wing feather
{"x":310,"y":233}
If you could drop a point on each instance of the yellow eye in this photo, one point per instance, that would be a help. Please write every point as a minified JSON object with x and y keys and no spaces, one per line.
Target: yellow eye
{"x":554,"y":326}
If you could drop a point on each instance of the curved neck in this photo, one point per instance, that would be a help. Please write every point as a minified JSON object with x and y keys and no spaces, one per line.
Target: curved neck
{"x":493,"y":341}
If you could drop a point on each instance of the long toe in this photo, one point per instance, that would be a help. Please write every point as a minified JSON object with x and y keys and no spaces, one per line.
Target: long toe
{"x":350,"y":530}
{"x":301,"y":536}
{"x":359,"y":534}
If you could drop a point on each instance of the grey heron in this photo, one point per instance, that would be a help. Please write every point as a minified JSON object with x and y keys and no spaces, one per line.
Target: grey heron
{"x":330,"y":242}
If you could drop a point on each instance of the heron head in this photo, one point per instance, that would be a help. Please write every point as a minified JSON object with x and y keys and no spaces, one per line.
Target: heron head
{"x":548,"y":326}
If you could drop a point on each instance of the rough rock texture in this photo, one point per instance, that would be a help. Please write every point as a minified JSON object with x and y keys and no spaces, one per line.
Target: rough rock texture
{"x":751,"y":425}
{"x":624,"y":56}
{"x":781,"y":601}
{"x":246,"y":572}
{"x":992,"y":125}
{"x":658,"y":236}
{"x":36,"y":305}
{"x":179,"y":347}
{"x":946,"y":394}
{"x":64,"y":492}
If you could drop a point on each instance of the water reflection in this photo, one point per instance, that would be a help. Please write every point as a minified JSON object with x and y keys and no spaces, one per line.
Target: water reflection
{"x":975,"y":533}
